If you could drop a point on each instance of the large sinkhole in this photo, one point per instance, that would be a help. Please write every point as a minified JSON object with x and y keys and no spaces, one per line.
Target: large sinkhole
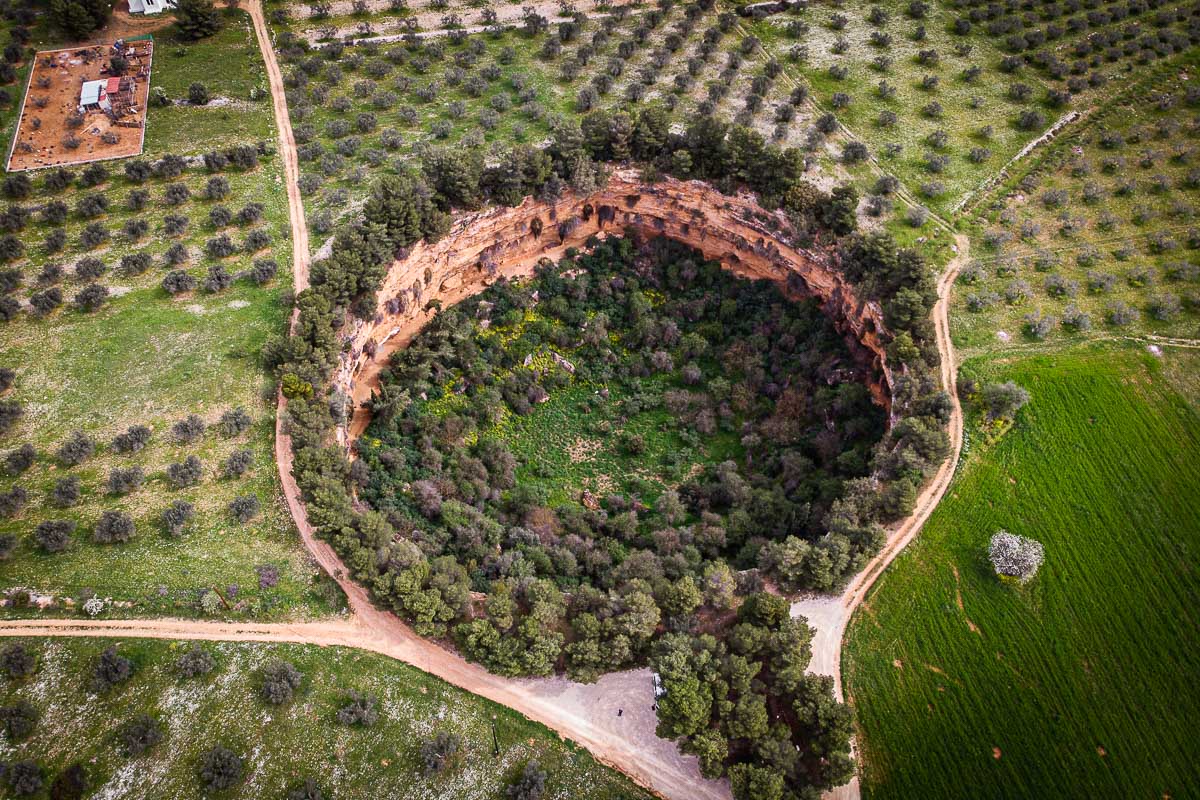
{"x":631,"y":413}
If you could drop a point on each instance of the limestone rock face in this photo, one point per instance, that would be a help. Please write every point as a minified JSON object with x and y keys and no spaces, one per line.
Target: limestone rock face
{"x":511,"y":241}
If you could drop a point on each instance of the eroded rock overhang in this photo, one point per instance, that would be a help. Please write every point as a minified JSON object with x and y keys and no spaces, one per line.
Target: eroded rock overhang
{"x":510,"y":242}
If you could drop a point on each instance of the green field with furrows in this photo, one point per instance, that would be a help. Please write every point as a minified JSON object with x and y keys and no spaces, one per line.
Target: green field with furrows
{"x":1081,"y":682}
{"x":379,"y":752}
{"x":140,"y":292}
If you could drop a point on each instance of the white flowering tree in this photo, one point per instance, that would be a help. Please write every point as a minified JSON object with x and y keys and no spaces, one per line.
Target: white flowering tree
{"x":93,"y":606}
{"x":1015,"y":556}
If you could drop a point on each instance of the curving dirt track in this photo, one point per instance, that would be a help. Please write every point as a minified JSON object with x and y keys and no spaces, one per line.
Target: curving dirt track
{"x":830,"y":615}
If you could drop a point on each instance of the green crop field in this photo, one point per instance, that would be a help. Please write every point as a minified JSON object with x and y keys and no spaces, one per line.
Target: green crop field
{"x":150,"y":357}
{"x":1080,"y":683}
{"x":282,"y":745}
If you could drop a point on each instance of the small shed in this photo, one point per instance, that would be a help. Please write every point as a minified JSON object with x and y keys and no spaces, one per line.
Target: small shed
{"x":94,"y":96}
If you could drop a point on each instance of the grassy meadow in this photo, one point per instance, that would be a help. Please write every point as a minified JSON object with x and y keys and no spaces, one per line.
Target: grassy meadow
{"x":1079,"y":683}
{"x":283,"y":745}
{"x":567,"y":445}
{"x":1097,"y":235}
{"x":149,"y":357}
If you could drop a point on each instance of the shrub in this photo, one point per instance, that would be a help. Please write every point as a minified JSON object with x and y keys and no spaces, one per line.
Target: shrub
{"x":188,"y":429}
{"x":440,"y":751}
{"x":219,"y":216}
{"x":125,"y":480}
{"x":218,"y":279}
{"x":244,"y":507}
{"x":176,"y":254}
{"x":110,"y":670}
{"x":12,"y":501}
{"x":854,"y":152}
{"x":1039,"y":325}
{"x":249,"y":213}
{"x":135,"y":263}
{"x":76,"y":449}
{"x":11,"y":248}
{"x":139,"y":734}
{"x":16,"y":187}
{"x":54,"y":535}
{"x":1003,"y":400}
{"x":66,"y":492}
{"x":175,"y":225}
{"x":132,"y":440}
{"x":217,"y":188}
{"x":1120,"y":314}
{"x":94,"y":235}
{"x":1164,"y":307}
{"x":176,"y":194}
{"x":256,"y":240}
{"x":530,"y":784}
{"x":46,"y":301}
{"x":114,"y":527}
{"x":21,"y":459}
{"x":55,"y":240}
{"x":18,"y":720}
{"x":237,"y":463}
{"x":264,"y":270}
{"x":195,"y":662}
{"x":136,"y":229}
{"x":17,"y":661}
{"x":360,"y":709}
{"x":176,"y":516}
{"x":25,"y":777}
{"x":221,"y":768}
{"x":280,"y":682}
{"x":235,"y":421}
{"x":59,"y":179}
{"x":10,"y":412}
{"x":91,"y":297}
{"x":185,"y":473}
{"x":1030,"y":120}
{"x":93,"y":175}
{"x":178,"y":281}
{"x":220,"y":247}
{"x":198,"y":94}
{"x":1075,"y":319}
{"x":308,"y":790}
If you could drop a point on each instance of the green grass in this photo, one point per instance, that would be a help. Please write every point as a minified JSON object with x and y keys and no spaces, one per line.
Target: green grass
{"x":285,"y":744}
{"x":149,"y":358}
{"x":1022,"y":237}
{"x":967,"y":106}
{"x":564,"y":449}
{"x":1082,"y":679}
{"x":230,"y":66}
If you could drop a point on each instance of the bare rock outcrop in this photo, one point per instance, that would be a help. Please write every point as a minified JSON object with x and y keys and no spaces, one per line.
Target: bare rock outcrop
{"x":511,"y":241}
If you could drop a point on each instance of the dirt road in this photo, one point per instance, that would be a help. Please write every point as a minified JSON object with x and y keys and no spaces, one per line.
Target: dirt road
{"x":830,"y":615}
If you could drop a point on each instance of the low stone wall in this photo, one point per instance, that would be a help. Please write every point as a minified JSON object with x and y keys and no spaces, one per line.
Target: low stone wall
{"x":510,"y":242}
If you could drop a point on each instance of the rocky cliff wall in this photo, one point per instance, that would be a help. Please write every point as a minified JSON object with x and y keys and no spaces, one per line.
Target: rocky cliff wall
{"x":483,"y":246}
